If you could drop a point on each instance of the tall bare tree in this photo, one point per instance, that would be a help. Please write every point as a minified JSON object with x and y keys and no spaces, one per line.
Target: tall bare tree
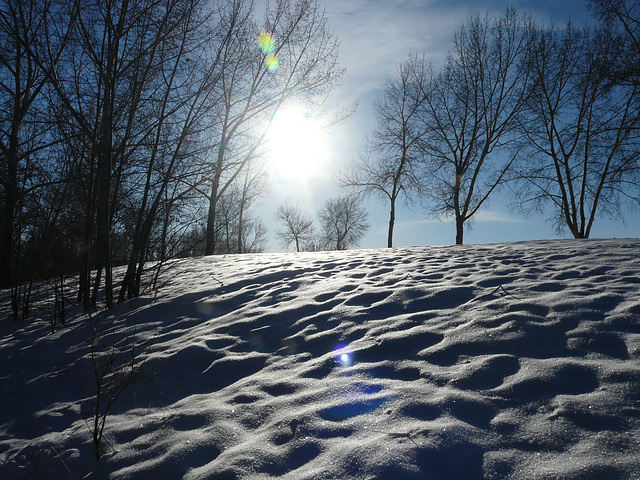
{"x":472,"y":107}
{"x":295,"y":59}
{"x":185,"y":91}
{"x":108,"y":87}
{"x":24,"y":129}
{"x":582,"y":131}
{"x":252,"y":186}
{"x":389,"y":165}
{"x":237,"y":230}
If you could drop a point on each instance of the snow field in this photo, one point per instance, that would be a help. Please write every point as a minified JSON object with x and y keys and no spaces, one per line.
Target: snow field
{"x":505,"y":361}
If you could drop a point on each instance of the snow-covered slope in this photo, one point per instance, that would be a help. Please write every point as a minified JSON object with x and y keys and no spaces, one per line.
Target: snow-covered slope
{"x":506,"y":361}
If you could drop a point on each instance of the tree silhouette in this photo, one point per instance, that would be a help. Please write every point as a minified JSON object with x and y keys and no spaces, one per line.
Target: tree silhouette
{"x":343,"y":222}
{"x":296,"y":227}
{"x":390,"y":164}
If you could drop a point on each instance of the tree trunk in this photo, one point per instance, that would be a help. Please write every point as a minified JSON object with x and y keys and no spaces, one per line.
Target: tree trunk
{"x":15,"y":302}
{"x":456,"y":208}
{"x":140,"y":269}
{"x":240,"y":220}
{"x":102,"y":226}
{"x":10,"y":201}
{"x":392,"y":220}
{"x":211,"y":219}
{"x":459,"y":230}
{"x":84,"y":280}
{"x":165,"y":229}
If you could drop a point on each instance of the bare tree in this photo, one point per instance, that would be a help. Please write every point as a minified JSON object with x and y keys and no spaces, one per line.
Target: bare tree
{"x":251,"y":232}
{"x":581,"y":129}
{"x":115,"y":364}
{"x":24,"y":138}
{"x":237,"y":230}
{"x":296,"y":227}
{"x":472,"y":107}
{"x":389,"y":166}
{"x":625,"y":16}
{"x":254,"y":236}
{"x":126,"y":109}
{"x":184,"y":97}
{"x":99,"y":86}
{"x":115,"y":106}
{"x":297,"y":59}
{"x":343,"y":223}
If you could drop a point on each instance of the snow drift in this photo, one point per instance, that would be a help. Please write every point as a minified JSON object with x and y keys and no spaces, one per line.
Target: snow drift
{"x":505,"y":361}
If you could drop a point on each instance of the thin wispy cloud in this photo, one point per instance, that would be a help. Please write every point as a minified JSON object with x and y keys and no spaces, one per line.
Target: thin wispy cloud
{"x":483,"y":216}
{"x":496,"y":216}
{"x":375,"y":37}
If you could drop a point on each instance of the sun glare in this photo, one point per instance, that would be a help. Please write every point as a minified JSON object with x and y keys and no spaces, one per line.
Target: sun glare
{"x":297,"y":145}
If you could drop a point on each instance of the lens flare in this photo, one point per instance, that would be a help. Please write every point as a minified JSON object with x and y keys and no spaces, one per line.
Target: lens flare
{"x":267,"y":46}
{"x":266,"y":42}
{"x":272,"y":63}
{"x":343,"y":355}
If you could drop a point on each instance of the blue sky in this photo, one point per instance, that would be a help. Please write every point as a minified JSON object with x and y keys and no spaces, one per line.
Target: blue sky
{"x":375,"y":37}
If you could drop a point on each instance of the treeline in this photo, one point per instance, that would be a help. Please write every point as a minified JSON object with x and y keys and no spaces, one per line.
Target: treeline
{"x":132,"y":130}
{"x":552,"y":113}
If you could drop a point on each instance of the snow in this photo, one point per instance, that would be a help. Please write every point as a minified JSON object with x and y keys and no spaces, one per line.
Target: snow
{"x":503,"y":361}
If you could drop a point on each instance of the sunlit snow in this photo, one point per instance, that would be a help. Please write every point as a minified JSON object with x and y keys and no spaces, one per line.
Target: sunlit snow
{"x":506,"y":361}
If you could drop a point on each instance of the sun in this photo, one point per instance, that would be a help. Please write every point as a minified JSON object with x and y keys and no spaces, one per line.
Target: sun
{"x":297,"y":144}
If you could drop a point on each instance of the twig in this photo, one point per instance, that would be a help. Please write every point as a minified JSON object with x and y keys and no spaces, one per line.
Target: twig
{"x":496,"y":290}
{"x":408,"y":435}
{"x":62,"y":460}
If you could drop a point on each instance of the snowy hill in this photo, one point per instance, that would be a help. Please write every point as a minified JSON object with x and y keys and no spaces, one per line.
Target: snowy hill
{"x":506,"y":361}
